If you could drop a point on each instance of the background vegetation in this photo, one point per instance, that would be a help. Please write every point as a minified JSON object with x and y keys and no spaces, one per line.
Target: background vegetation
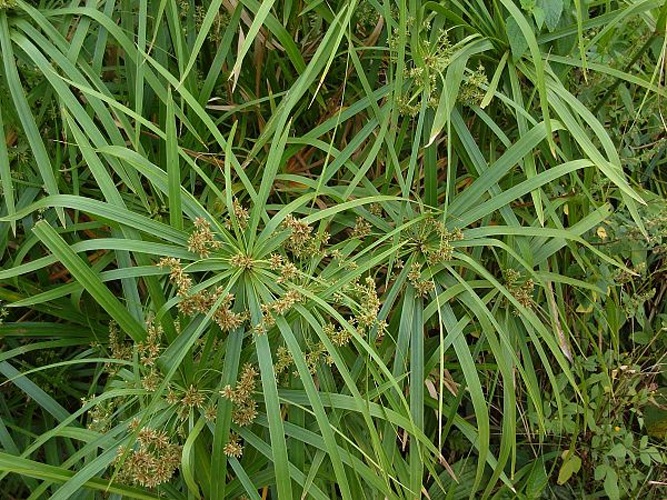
{"x":344,"y":249}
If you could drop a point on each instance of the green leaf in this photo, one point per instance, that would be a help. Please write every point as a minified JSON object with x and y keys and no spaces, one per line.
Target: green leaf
{"x":42,"y":471}
{"x":517,"y":40}
{"x":91,"y":281}
{"x":618,"y":451}
{"x":537,"y":480}
{"x":539,"y":16}
{"x":553,"y":9}
{"x":601,"y":471}
{"x":173,"y":166}
{"x":571,"y":466}
{"x":38,"y":149}
{"x":611,"y":485}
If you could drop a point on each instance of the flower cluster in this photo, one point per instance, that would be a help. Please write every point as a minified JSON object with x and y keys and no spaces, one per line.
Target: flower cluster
{"x":120,"y":349}
{"x":100,"y":416}
{"x":227,"y":319}
{"x":284,"y":360}
{"x":202,"y":240}
{"x":220,"y":21}
{"x":240,"y":213}
{"x":362,"y":228}
{"x":203,"y":301}
{"x":423,"y":78}
{"x":369,"y":306}
{"x":472,"y":92}
{"x":521,"y":291}
{"x":245,"y":407}
{"x":422,"y":287}
{"x":367,"y":18}
{"x":149,"y":349}
{"x":339,"y":336}
{"x":177,"y":275}
{"x":242,"y":261}
{"x":233,"y":448}
{"x":301,"y":241}
{"x":152,"y":462}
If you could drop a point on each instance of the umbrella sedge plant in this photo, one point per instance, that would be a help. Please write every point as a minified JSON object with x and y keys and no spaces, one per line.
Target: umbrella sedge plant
{"x":291,"y":250}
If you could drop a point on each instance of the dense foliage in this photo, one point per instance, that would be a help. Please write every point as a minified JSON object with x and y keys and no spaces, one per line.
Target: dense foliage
{"x":346,"y":249}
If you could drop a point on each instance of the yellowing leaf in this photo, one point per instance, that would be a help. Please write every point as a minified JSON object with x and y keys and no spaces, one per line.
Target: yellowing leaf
{"x":570,"y":466}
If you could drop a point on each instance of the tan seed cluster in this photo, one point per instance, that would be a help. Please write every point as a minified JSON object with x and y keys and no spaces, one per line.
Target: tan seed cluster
{"x":242,"y":261}
{"x":245,"y":407}
{"x":202,"y":240}
{"x":362,"y":228}
{"x":193,"y":398}
{"x":149,"y":349}
{"x":233,"y":448}
{"x":301,"y":242}
{"x":177,"y":275}
{"x":339,"y":336}
{"x":150,"y":464}
{"x":422,"y":287}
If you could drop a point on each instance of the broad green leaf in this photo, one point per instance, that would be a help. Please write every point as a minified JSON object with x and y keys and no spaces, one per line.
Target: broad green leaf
{"x":571,"y":466}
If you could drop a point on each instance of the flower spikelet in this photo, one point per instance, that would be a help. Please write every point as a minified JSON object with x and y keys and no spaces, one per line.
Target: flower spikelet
{"x":202,"y":240}
{"x":233,"y":448}
{"x":152,"y":462}
{"x":245,"y":407}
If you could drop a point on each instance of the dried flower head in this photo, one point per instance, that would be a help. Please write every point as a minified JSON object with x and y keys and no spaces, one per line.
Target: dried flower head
{"x":177,"y":275}
{"x":422,"y":287}
{"x":150,"y":464}
{"x":362,"y":228}
{"x":193,"y":398}
{"x":242,"y":261}
{"x":202,"y":240}
{"x":149,"y":349}
{"x":339,"y":336}
{"x":245,"y":407}
{"x":233,"y":448}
